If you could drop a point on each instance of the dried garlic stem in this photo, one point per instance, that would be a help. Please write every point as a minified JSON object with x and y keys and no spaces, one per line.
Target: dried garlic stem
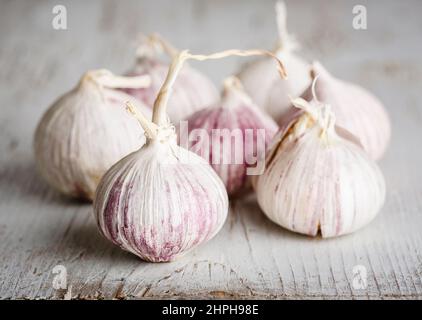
{"x":155,"y":42}
{"x":304,"y":105}
{"x":328,"y":121}
{"x":159,"y":114}
{"x":286,"y":42}
{"x":313,"y":88}
{"x":323,"y":115}
{"x":149,"y":127}
{"x":232,"y":82}
{"x":165,"y":45}
{"x":107,"y":79}
{"x":318,"y":70}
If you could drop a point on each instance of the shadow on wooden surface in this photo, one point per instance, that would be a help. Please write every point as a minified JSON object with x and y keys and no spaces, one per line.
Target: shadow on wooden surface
{"x":21,"y":179}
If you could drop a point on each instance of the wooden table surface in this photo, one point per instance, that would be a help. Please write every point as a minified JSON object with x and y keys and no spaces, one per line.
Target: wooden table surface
{"x":251,"y":257}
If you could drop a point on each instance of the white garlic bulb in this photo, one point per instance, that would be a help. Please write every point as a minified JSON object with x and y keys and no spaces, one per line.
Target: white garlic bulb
{"x":162,"y":200}
{"x":356,"y":110}
{"x":262,"y":82}
{"x":86,"y":131}
{"x":236,"y":131}
{"x":157,"y":206}
{"x":316,"y":180}
{"x":192,"y":91}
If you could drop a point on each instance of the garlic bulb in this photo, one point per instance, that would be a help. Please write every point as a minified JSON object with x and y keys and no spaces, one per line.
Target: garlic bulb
{"x":316,"y":180}
{"x":158,"y":207}
{"x":162,"y":200}
{"x":262,"y":82}
{"x":192,"y":92}
{"x":230,"y":135}
{"x":356,"y":110}
{"x":86,"y":131}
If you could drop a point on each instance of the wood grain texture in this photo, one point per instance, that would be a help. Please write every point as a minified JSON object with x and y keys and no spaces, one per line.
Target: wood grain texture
{"x":251,"y":257}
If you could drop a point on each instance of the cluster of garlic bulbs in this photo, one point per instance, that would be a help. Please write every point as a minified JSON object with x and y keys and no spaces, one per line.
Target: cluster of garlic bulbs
{"x":86,"y":131}
{"x":192,"y":92}
{"x":355,"y":109}
{"x":161,"y":201}
{"x":237,"y":131}
{"x":318,"y":178}
{"x":263,"y":84}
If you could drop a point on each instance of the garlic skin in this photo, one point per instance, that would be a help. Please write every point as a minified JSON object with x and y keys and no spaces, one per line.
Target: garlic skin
{"x":163,"y":200}
{"x":191,"y":92}
{"x":315,"y":180}
{"x":263,"y":84}
{"x":156,"y":206}
{"x":356,"y":110}
{"x":85,"y":132}
{"x":237,"y":113}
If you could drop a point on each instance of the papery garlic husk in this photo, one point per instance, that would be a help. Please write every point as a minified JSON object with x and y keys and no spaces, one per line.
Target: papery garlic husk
{"x":356,"y":110}
{"x":236,"y":132}
{"x":157,"y":206}
{"x":163,"y":200}
{"x":192,"y":91}
{"x":318,"y":180}
{"x":86,"y":131}
{"x":263,"y":84}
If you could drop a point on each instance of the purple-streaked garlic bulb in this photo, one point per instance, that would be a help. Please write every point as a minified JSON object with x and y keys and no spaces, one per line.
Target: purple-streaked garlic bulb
{"x":192,"y":92}
{"x":318,"y":179}
{"x":86,"y":131}
{"x":163,"y":200}
{"x":263,"y":84}
{"x":230,"y":135}
{"x":356,"y":110}
{"x":157,"y":206}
